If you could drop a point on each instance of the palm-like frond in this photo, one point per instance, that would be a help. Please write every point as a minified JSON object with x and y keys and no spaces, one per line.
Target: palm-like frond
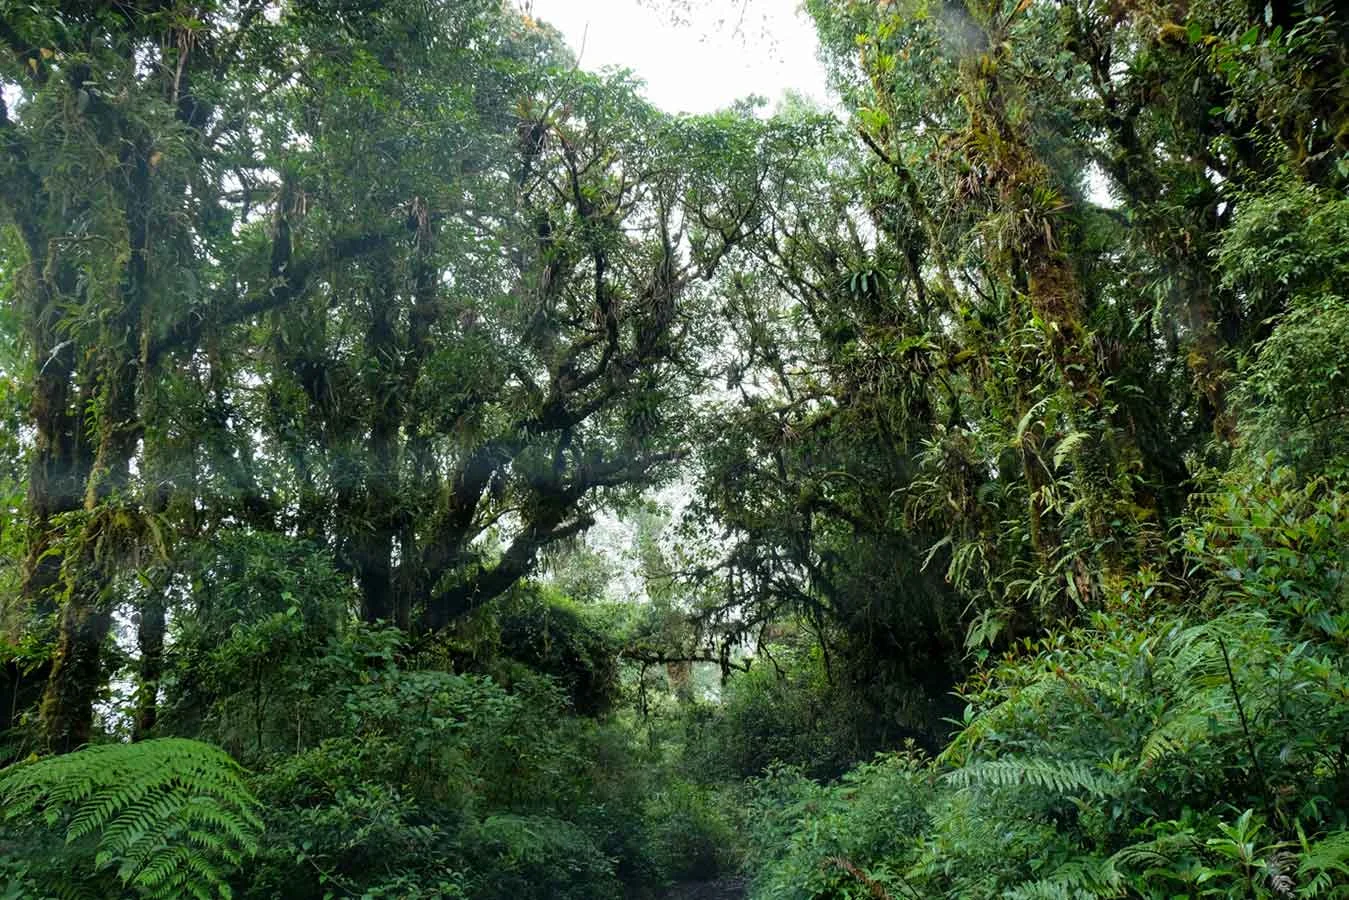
{"x":169,"y":817}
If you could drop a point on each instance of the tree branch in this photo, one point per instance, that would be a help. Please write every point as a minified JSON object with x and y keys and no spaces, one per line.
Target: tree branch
{"x":186,"y":332}
{"x":661,"y":658}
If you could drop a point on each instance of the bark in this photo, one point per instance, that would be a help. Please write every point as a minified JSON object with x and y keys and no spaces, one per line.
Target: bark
{"x":153,"y":611}
{"x":150,"y":639}
{"x":76,"y":675}
{"x":373,"y":544}
{"x":60,"y":460}
{"x":411,"y":579}
{"x":488,"y":583}
{"x":1013,"y":173}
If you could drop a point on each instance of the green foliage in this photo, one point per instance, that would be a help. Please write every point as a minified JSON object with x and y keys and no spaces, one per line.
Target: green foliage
{"x":1112,"y":761}
{"x":1136,"y":754}
{"x":784,"y":710}
{"x":410,"y":777}
{"x":539,"y":857}
{"x":247,"y":657}
{"x":1022,"y":390}
{"x":549,"y":633}
{"x":843,"y":840}
{"x":691,"y":833}
{"x":1275,"y":542}
{"x":162,"y":818}
{"x":1287,"y":253}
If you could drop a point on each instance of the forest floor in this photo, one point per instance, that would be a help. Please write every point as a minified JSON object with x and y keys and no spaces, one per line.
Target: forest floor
{"x":722,"y":889}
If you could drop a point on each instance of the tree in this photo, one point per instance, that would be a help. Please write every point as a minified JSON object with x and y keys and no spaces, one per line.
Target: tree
{"x":999,"y":345}
{"x":509,"y":360}
{"x":398,"y":279}
{"x":106,"y":172}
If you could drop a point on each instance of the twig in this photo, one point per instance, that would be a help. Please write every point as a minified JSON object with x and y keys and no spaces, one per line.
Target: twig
{"x":1246,"y":731}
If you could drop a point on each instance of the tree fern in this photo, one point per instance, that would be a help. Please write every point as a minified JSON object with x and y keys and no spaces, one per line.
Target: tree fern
{"x":165,"y":818}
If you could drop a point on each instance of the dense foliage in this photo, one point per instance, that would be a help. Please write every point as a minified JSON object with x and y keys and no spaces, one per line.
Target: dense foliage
{"x":430,"y":470}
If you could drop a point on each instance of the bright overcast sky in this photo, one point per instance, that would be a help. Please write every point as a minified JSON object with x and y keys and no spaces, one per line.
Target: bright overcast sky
{"x":703,"y":65}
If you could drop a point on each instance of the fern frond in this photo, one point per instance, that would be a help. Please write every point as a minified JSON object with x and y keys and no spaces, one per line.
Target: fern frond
{"x":1156,"y":855}
{"x":1060,"y":777}
{"x":171,"y":816}
{"x":1182,"y":728}
{"x":989,"y":722}
{"x":1322,"y":860}
{"x":1079,"y":879}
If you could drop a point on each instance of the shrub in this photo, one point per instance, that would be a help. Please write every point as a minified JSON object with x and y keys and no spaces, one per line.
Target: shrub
{"x":1161,"y":759}
{"x":847,"y":840}
{"x":789,"y":712}
{"x":692,"y":836}
{"x":528,"y":857}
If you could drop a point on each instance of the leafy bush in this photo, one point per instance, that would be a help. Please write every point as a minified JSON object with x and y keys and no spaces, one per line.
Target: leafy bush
{"x":692,"y":833}
{"x":846,"y":840}
{"x":529,"y":857}
{"x":1273,"y":541}
{"x":548,"y":633}
{"x":419,"y":778}
{"x":1288,"y":254}
{"x":786,"y":710}
{"x":245,"y":664}
{"x":1109,"y":760}
{"x":1140,"y":753}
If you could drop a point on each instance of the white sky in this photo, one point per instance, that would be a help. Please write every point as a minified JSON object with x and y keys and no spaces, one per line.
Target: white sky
{"x":716,"y":58}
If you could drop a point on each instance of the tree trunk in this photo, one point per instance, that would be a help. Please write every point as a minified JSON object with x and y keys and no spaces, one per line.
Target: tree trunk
{"x":150,"y":638}
{"x":1013,"y":173}
{"x":373,"y":544}
{"x":76,"y":675}
{"x":77,"y":671}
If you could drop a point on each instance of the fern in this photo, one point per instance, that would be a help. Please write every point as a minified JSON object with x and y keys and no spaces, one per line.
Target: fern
{"x":168,"y":818}
{"x":1088,"y":877}
{"x":991,"y":721}
{"x":1059,"y":777}
{"x":1184,"y":727}
{"x":1157,"y":853}
{"x":1322,"y":861}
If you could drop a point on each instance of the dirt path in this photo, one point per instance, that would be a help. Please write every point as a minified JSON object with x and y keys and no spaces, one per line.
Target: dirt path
{"x":721,"y":889}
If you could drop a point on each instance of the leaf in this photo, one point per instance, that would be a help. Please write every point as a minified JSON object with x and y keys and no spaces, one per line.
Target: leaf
{"x":159,"y":806}
{"x":1067,"y":446}
{"x":932,"y":551}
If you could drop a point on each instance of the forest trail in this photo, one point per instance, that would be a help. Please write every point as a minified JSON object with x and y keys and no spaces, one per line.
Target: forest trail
{"x":722,"y":889}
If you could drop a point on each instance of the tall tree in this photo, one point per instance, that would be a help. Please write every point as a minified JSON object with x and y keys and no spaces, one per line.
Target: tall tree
{"x":397,"y":278}
{"x":1000,"y":344}
{"x":103,"y":158}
